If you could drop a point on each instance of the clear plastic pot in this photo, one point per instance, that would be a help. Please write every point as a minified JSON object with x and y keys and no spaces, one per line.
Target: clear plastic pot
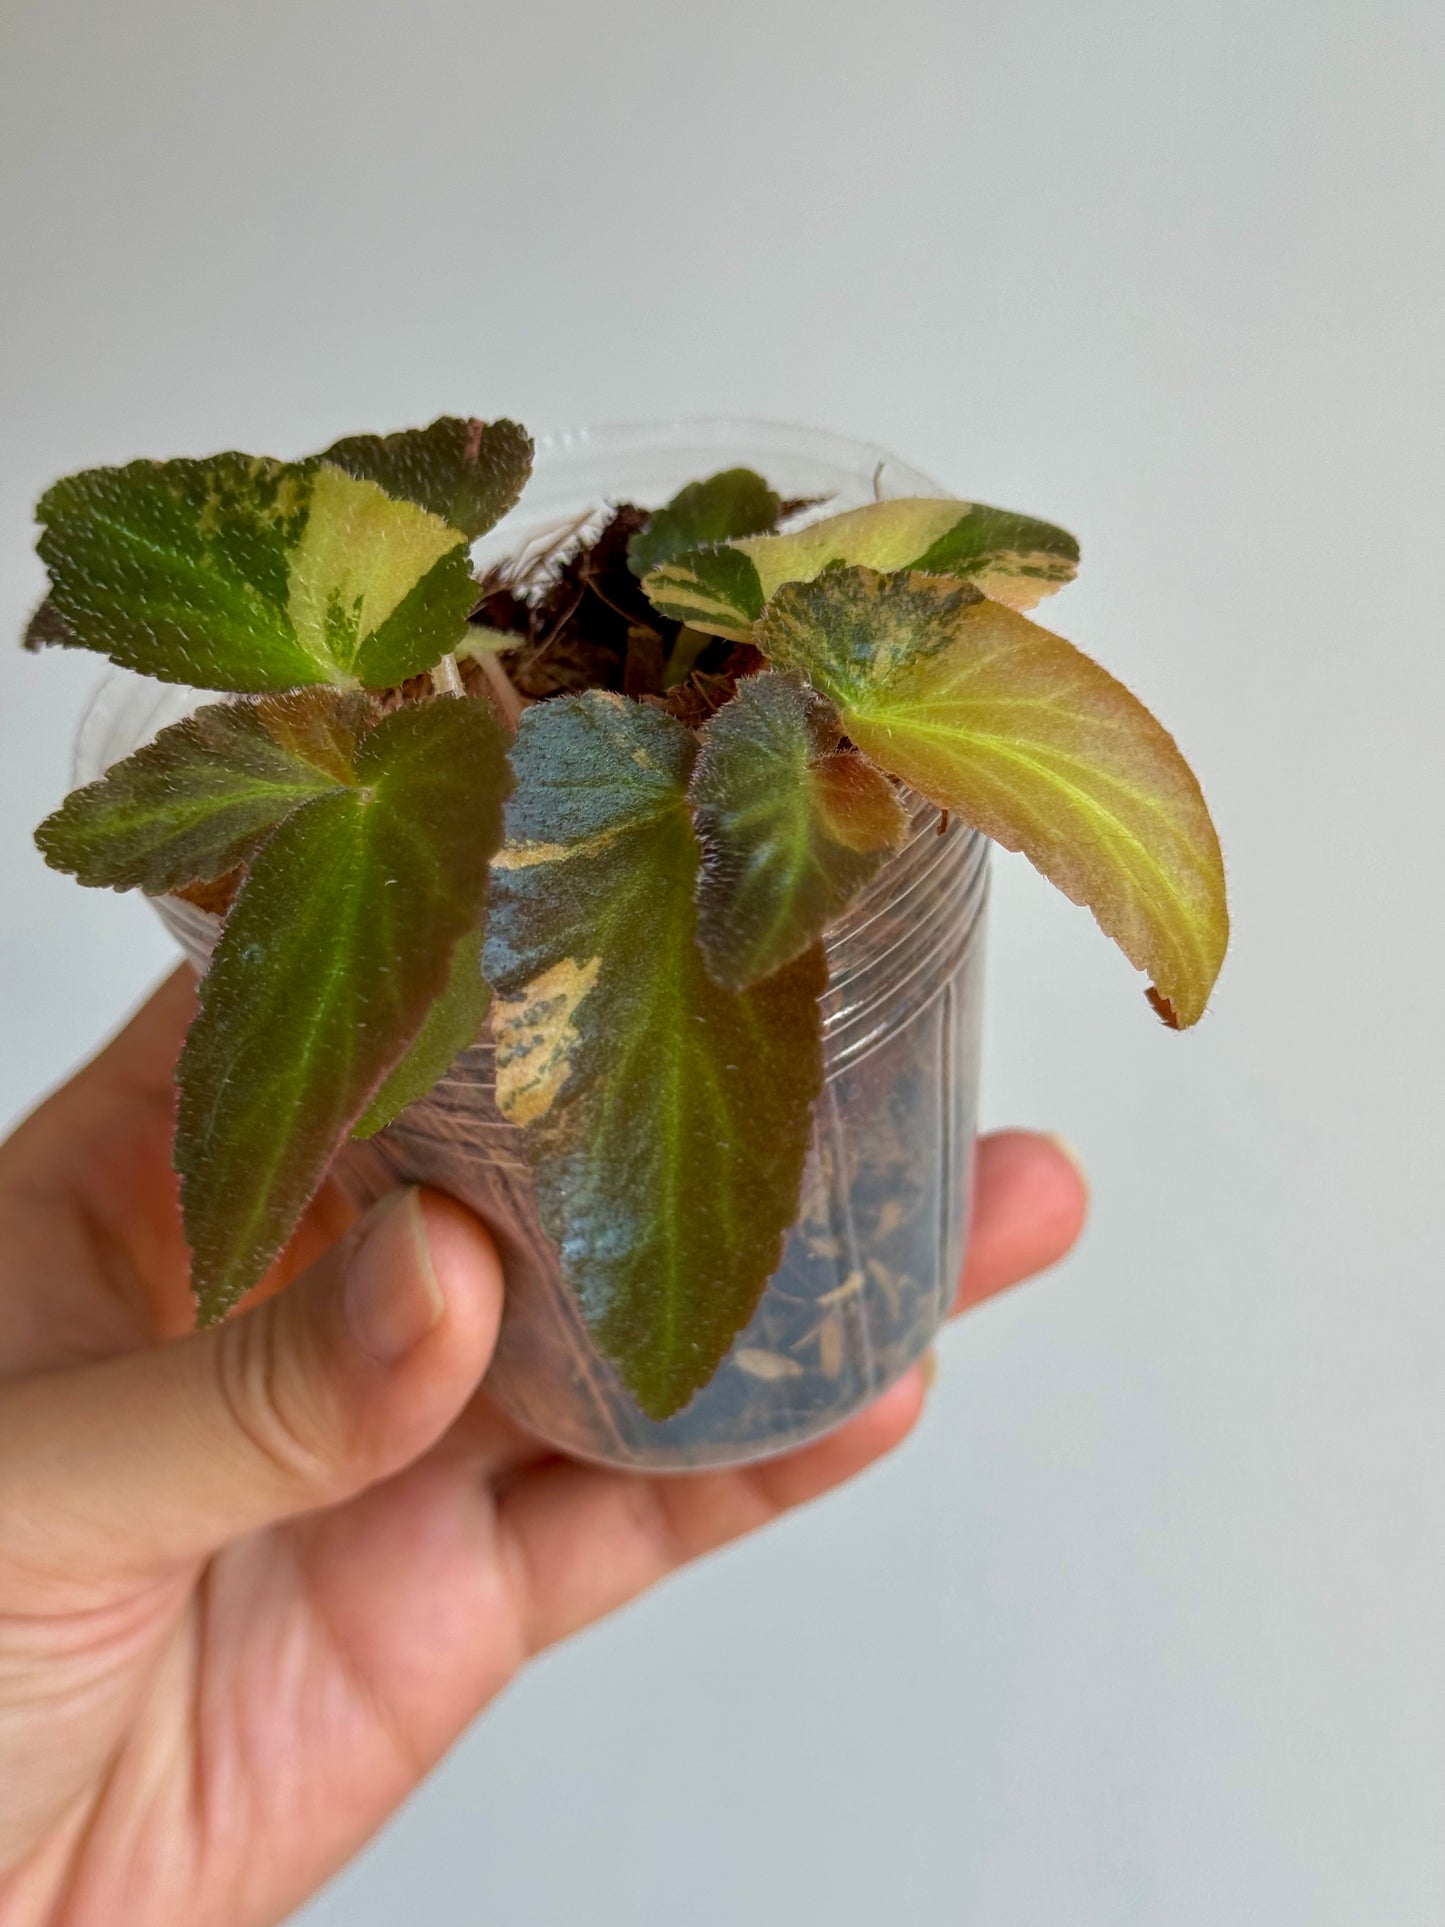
{"x":869,"y":1269}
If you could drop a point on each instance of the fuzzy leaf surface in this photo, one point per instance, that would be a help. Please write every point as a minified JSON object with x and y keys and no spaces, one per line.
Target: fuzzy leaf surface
{"x":666,"y":1119}
{"x":468,"y":472}
{"x":337,"y":947}
{"x":453,"y":1023}
{"x":206,"y":793}
{"x":791,"y":827}
{"x":1025,"y":737}
{"x":1013,"y":559}
{"x":246,"y":574}
{"x":737,"y":501}
{"x":717,"y":592}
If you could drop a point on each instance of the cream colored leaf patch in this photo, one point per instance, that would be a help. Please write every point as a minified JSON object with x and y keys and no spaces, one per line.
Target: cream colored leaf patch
{"x":666,"y":1118}
{"x":882,"y":535}
{"x":240,"y":573}
{"x":536,"y":1038}
{"x":360,"y":553}
{"x":468,"y":472}
{"x":1013,"y":559}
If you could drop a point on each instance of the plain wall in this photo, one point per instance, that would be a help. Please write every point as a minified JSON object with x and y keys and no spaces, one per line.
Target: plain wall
{"x":1144,"y":1626}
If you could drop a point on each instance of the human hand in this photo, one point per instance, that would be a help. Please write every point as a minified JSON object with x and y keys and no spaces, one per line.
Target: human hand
{"x":255,"y":1581}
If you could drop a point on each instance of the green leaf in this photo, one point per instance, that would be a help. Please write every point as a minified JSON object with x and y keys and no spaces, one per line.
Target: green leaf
{"x":665,"y":1117}
{"x":452,"y":1025}
{"x":468,"y":472}
{"x":987,"y":714}
{"x":791,"y":827}
{"x":247,"y":574}
{"x":716,"y":591}
{"x":1013,"y":559}
{"x":206,"y":793}
{"x":735,"y":502}
{"x":338,"y":945}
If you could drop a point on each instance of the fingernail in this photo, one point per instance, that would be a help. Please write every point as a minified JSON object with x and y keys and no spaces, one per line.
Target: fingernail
{"x":1070,"y":1156}
{"x":392,"y":1295}
{"x":928,"y":1368}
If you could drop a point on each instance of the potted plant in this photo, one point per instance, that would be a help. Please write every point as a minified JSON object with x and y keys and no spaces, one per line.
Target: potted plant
{"x":625,"y":879}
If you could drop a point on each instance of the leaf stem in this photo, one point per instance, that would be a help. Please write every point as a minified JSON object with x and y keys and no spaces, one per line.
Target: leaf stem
{"x":507,"y":699}
{"x":446,"y":678}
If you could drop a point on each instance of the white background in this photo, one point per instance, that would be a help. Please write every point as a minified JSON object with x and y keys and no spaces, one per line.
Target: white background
{"x":1145,"y":1626}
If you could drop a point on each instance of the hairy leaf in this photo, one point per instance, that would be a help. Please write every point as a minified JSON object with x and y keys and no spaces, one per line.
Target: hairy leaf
{"x":735,"y":502}
{"x":1013,"y":559}
{"x":206,"y":793}
{"x":987,"y":714}
{"x":453,"y":1023}
{"x":468,"y":472}
{"x":666,"y":1118}
{"x":791,"y":827}
{"x":337,"y":947}
{"x":715,"y":591}
{"x":241,"y":573}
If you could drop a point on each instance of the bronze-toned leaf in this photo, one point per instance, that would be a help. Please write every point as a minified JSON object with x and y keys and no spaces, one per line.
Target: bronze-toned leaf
{"x":207,"y":792}
{"x":791,"y":827}
{"x":1026,"y":738}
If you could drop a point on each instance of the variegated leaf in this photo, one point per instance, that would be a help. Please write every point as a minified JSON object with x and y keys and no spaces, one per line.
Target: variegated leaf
{"x":1013,"y":559}
{"x":735,"y":502}
{"x":666,"y":1118}
{"x":241,"y":573}
{"x":468,"y":472}
{"x":791,"y":827}
{"x":988,"y":715}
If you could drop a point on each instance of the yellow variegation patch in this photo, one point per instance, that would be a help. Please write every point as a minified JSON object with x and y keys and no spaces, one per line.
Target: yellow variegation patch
{"x":536,"y":1038}
{"x":665,"y":1117}
{"x":237,"y":572}
{"x":468,"y":472}
{"x":360,"y":554}
{"x":883,"y":535}
{"x":1014,"y":559}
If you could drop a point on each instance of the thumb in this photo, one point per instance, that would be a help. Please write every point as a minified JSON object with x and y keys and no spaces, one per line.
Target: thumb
{"x":159,"y":1457}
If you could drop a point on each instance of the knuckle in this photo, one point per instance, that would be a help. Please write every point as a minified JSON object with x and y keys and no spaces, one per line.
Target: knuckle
{"x":275,"y":1405}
